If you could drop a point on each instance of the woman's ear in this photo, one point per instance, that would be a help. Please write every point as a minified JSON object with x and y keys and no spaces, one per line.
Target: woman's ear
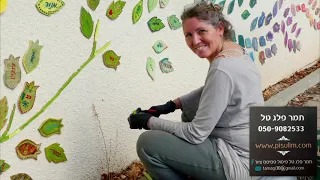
{"x":220,"y":28}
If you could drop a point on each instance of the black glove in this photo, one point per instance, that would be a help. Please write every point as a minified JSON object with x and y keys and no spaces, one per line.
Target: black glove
{"x":167,"y":108}
{"x":139,"y":120}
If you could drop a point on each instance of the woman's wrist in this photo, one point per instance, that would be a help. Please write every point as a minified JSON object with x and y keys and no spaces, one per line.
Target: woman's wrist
{"x":178,"y":103}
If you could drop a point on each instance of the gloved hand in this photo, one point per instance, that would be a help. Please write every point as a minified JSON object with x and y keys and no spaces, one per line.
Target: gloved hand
{"x":139,"y":120}
{"x":167,"y":108}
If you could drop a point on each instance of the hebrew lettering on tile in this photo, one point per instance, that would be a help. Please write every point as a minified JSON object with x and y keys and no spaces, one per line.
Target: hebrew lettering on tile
{"x":27,"y":97}
{"x":49,"y":7}
{"x":155,"y":24}
{"x":137,"y":11}
{"x":12,"y":72}
{"x":31,"y":58}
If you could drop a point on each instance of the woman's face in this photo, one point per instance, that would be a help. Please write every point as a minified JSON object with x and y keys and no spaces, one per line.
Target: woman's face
{"x":202,"y":38}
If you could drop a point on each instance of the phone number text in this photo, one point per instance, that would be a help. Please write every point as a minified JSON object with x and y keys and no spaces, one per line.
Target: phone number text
{"x":281,"y":128}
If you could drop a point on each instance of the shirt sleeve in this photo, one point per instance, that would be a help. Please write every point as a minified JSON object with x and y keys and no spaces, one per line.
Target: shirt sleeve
{"x":213,"y":102}
{"x":194,"y":96}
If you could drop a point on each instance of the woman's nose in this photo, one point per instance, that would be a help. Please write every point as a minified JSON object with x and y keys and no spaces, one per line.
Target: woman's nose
{"x":195,"y":40}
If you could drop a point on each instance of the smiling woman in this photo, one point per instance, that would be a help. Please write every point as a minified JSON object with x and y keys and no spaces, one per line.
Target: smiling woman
{"x":212,"y":141}
{"x":206,"y":30}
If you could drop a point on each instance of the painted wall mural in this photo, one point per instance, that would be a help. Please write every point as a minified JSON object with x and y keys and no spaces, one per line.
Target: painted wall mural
{"x":27,"y":148}
{"x":287,"y":28}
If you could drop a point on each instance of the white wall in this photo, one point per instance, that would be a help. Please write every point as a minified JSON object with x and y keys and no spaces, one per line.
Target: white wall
{"x":114,"y":94}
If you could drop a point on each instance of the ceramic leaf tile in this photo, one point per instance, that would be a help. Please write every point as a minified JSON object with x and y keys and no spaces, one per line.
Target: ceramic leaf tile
{"x":155,"y":24}
{"x":50,"y":127}
{"x":27,"y":97}
{"x":55,"y":153}
{"x":159,"y":46}
{"x":86,"y":23}
{"x":151,"y":67}
{"x":19,"y":176}
{"x":12,"y":72}
{"x":111,"y":59}
{"x":115,"y":9}
{"x":49,"y":7}
{"x":137,"y":11}
{"x":32,"y":56}
{"x":174,"y":22}
{"x":166,"y":66}
{"x":152,"y":4}
{"x":27,"y":149}
{"x":93,"y":4}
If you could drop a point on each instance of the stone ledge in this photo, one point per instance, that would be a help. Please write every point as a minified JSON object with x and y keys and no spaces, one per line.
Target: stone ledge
{"x":283,"y":97}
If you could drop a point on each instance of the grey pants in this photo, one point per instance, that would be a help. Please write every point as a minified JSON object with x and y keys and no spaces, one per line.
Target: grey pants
{"x":167,"y":157}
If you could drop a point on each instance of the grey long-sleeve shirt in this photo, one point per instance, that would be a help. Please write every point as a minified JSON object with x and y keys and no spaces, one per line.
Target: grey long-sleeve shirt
{"x":222,"y":111}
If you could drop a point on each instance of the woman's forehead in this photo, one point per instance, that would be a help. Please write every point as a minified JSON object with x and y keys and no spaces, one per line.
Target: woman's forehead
{"x":194,"y":23}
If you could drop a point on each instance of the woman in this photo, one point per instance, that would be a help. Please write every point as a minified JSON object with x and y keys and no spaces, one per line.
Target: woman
{"x":212,"y":141}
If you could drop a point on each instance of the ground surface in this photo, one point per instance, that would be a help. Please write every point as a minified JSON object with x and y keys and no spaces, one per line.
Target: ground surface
{"x":310,"y":97}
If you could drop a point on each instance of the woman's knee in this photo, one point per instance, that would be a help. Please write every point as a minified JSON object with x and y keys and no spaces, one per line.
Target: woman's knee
{"x":145,"y":140}
{"x":142,"y":140}
{"x":151,"y":142}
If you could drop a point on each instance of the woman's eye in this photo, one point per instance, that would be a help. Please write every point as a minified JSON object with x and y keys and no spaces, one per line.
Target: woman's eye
{"x":187,"y":35}
{"x":202,"y":31}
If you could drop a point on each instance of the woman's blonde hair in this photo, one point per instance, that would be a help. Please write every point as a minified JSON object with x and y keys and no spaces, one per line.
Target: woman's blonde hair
{"x":212,"y":14}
